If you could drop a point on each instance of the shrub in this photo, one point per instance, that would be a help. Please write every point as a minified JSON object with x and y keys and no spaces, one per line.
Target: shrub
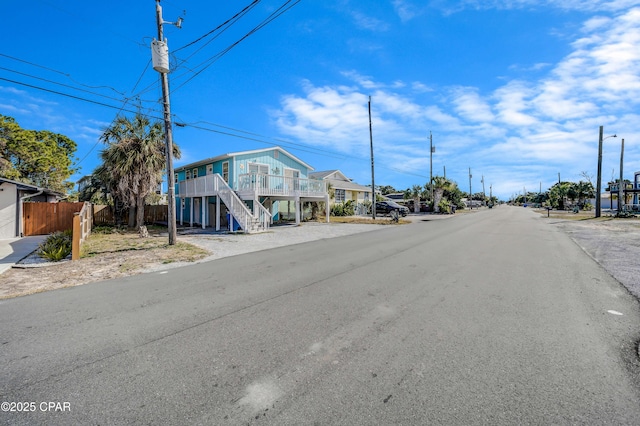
{"x":57,"y":246}
{"x":444,"y":206}
{"x":343,"y":209}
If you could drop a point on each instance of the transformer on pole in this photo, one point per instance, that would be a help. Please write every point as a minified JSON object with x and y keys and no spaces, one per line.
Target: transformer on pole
{"x":160,"y":57}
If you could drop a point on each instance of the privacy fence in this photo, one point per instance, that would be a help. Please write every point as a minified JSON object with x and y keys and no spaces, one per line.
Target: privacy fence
{"x":47,"y":218}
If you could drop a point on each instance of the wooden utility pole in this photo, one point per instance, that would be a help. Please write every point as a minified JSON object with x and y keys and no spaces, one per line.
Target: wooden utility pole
{"x":164,"y":80}
{"x":621,"y":199}
{"x":599,"y":181}
{"x":373,"y":181}
{"x":432,"y":149}
{"x":470,"y":193}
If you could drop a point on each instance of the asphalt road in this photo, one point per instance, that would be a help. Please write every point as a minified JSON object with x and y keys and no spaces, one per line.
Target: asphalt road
{"x":488,"y":318}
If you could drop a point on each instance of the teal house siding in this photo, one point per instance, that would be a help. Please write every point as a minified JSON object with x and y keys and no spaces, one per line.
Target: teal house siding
{"x":276,"y":163}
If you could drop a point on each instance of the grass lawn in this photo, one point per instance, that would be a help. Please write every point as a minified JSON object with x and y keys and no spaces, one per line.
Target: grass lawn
{"x":105,"y":239}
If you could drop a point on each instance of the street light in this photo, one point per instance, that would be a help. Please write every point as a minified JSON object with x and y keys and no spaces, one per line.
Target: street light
{"x":599,"y":182}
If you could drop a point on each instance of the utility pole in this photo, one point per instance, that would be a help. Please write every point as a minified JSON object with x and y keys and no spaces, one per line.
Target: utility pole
{"x":373,"y":182}
{"x":470,"y":193}
{"x":163,"y":69}
{"x":621,"y":185}
{"x":431,"y":151}
{"x":444,"y":169}
{"x":484,"y":194}
{"x":599,"y":181}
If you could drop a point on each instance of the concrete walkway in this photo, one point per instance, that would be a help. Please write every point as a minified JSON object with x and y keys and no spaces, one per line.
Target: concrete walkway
{"x":13,"y":250}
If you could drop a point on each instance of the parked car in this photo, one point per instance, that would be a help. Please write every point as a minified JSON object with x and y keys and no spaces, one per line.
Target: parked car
{"x":386,"y":207}
{"x":423,"y":206}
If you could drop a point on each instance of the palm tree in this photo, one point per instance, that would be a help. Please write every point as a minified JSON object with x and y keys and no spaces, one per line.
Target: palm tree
{"x":415,"y":193}
{"x":440,"y":185}
{"x":134,"y":161}
{"x":584,"y":190}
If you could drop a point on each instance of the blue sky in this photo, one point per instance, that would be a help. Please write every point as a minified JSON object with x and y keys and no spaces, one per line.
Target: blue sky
{"x":513,"y":89}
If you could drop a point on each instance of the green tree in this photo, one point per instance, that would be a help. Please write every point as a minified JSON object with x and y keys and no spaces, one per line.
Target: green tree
{"x":133,"y":161}
{"x":455,"y":195}
{"x":558,"y":193}
{"x":387,"y":189}
{"x":440,"y":185}
{"x":96,"y":191}
{"x":38,"y":157}
{"x":581,"y":191}
{"x":414,"y":193}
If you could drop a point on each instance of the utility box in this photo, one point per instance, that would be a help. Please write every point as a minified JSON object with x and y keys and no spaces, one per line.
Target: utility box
{"x":160,"y":56}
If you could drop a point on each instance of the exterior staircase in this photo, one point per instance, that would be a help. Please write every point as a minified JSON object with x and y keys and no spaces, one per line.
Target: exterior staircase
{"x":248,"y":221}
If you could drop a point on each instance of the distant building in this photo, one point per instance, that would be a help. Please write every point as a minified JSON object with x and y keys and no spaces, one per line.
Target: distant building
{"x":344,"y":188}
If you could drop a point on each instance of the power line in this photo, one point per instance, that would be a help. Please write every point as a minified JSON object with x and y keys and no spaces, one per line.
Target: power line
{"x":227,"y":24}
{"x":292,"y":145}
{"x":65,"y":94}
{"x":251,"y":136}
{"x":233,"y":18}
{"x":56,"y":83}
{"x":59,"y":72}
{"x":286,"y":6}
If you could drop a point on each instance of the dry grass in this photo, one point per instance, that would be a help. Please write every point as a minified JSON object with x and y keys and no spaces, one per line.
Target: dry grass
{"x":114,"y":240}
{"x":107,"y":254}
{"x":380,"y":220}
{"x":581,"y":215}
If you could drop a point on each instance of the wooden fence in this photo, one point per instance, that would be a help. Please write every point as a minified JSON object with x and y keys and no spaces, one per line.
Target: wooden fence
{"x":47,"y":218}
{"x":105,"y":215}
{"x":81,"y":229}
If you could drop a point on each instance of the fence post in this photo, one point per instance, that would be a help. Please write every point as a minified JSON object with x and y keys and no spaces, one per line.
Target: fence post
{"x":77,"y":234}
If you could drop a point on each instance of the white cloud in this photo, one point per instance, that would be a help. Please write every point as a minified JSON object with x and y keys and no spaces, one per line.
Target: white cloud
{"x":405,"y":10}
{"x":470,"y":105}
{"x":368,"y":22}
{"x":420,"y":87}
{"x":581,"y":5}
{"x":550,"y":122}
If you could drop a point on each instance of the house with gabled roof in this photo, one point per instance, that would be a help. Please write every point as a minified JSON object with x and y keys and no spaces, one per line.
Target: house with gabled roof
{"x":245,"y":190}
{"x":344,"y":188}
{"x":13,"y":195}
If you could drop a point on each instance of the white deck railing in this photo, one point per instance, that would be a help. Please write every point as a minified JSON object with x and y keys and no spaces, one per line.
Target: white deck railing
{"x":258,"y":184}
{"x":200,"y":187}
{"x":214,"y":185}
{"x":266,"y":185}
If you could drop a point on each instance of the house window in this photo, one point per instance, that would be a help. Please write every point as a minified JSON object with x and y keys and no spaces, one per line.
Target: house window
{"x":261,"y":169}
{"x":340,"y":195}
{"x":188,"y":173}
{"x":175,"y":178}
{"x":195,"y":173}
{"x":225,"y":171}
{"x":366,"y":196}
